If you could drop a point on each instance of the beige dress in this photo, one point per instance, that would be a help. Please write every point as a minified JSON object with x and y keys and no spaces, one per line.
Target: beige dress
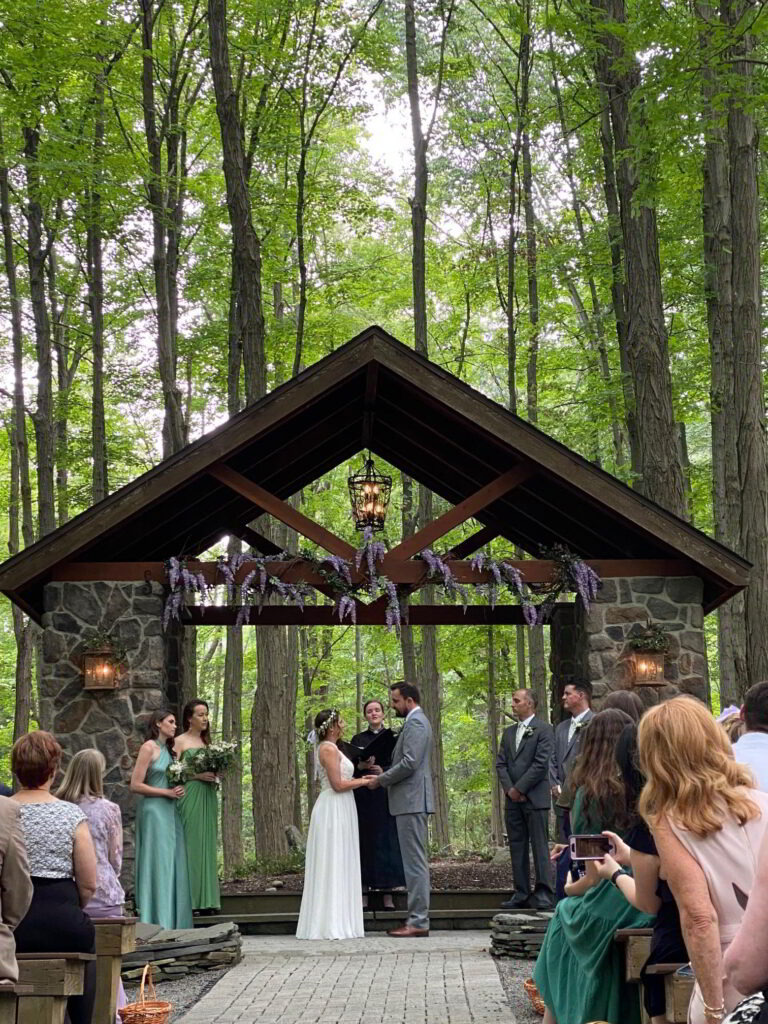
{"x":728,"y":859}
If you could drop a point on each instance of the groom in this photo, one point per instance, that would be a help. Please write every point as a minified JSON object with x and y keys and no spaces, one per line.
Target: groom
{"x":409,"y":782}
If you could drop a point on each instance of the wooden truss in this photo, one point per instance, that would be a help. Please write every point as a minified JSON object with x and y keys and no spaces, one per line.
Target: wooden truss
{"x":398,"y":564}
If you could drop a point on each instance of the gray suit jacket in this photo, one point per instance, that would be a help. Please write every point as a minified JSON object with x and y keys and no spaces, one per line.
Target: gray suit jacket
{"x":527,"y":768}
{"x":15,"y":885}
{"x":409,"y":781}
{"x":565,"y":752}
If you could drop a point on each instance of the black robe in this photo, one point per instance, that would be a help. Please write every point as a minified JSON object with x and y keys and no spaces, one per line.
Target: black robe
{"x":381,"y":864}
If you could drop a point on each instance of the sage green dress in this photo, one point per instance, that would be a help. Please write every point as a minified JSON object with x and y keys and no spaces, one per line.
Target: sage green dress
{"x":580,"y":969}
{"x":162,"y":882}
{"x":200,"y":812}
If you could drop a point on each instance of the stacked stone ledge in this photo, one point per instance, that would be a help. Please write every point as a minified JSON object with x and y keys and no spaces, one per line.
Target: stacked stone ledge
{"x":622,"y":610}
{"x":519,"y":935}
{"x":191,"y":951}
{"x":110,"y":720}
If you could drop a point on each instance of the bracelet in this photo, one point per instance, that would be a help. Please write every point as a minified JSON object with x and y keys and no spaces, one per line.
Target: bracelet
{"x":716,"y":1012}
{"x":615,"y":875}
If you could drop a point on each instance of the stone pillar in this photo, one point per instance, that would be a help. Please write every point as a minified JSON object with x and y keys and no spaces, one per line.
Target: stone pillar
{"x":110,"y":720}
{"x":622,"y":610}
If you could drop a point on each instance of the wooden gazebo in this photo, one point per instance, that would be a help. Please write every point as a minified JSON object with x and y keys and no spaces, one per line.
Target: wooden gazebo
{"x":105,"y":568}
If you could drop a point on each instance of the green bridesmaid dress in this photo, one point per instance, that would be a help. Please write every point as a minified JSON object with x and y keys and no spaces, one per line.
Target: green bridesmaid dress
{"x":162,"y":882}
{"x":199,"y":812}
{"x":580,"y":969}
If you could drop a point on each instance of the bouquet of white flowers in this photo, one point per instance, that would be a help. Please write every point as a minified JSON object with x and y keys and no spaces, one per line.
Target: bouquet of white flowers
{"x":176,"y":772}
{"x":216,"y":758}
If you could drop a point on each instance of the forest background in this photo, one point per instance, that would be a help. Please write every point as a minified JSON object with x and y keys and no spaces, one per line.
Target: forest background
{"x":556,"y":200}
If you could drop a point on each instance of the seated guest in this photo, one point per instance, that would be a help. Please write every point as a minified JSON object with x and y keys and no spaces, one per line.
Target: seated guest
{"x":708,"y":824}
{"x":62,"y":863}
{"x":626,"y":701}
{"x":522,"y":766}
{"x":751,"y":748}
{"x":5,"y":790}
{"x":15,"y":886}
{"x":734,"y":726}
{"x":746,"y":961}
{"x":580,"y":970}
{"x":644,"y":888}
{"x":83,"y":785}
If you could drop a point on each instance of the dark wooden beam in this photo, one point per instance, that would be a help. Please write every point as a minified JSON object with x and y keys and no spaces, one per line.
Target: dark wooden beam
{"x":367,"y":615}
{"x":474,"y":543}
{"x":281,"y":510}
{"x":459,"y":514}
{"x":402,"y":571}
{"x":371,"y":380}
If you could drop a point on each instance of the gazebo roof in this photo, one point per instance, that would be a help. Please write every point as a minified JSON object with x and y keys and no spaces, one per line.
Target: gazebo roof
{"x":376,"y":393}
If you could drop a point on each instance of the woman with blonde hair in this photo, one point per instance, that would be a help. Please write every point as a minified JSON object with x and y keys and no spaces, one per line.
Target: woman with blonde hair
{"x":83,"y":785}
{"x":708,"y":823}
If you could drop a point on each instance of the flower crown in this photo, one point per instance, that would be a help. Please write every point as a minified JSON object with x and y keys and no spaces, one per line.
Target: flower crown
{"x":331,"y":720}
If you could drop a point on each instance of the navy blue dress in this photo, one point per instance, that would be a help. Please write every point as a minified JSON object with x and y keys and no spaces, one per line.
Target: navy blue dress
{"x":381,"y":864}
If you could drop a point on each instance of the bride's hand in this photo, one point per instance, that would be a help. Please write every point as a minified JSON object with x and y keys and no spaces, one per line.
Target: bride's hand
{"x":370,"y":781}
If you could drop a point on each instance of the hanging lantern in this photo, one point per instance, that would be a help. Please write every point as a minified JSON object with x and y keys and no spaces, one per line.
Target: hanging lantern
{"x":369,"y":494}
{"x":100,"y":666}
{"x":649,"y":668}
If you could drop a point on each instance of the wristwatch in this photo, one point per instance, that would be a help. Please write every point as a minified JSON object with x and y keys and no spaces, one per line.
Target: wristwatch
{"x":615,"y":875}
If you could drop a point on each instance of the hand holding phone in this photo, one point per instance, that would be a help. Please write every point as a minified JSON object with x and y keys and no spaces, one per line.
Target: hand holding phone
{"x":591,"y":846}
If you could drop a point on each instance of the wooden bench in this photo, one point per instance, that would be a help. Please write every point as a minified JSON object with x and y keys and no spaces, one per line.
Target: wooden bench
{"x":637,"y":949}
{"x":53,"y":977}
{"x":9,"y":995}
{"x":114,"y":937}
{"x":678,"y":990}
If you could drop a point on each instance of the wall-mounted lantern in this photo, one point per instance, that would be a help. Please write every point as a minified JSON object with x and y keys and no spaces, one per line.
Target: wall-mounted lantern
{"x":101,"y":663}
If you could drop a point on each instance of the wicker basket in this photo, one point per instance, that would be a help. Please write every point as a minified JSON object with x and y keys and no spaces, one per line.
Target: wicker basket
{"x":533,"y":994}
{"x":146,"y":1011}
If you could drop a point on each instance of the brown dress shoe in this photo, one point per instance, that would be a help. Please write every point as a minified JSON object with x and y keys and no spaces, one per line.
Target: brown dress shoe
{"x":407,"y":932}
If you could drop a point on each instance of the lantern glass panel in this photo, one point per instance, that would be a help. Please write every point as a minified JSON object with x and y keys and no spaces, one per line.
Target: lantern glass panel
{"x":369,"y":493}
{"x":99,"y":670}
{"x":649,"y":668}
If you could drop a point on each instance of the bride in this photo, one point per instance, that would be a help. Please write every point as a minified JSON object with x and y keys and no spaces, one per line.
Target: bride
{"x":332,"y":901}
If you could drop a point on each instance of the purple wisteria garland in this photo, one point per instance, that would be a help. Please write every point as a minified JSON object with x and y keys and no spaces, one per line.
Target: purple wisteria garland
{"x":260,"y":583}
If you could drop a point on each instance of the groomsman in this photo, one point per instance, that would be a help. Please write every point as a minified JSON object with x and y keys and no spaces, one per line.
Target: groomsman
{"x":577,"y":698}
{"x":523,"y":770}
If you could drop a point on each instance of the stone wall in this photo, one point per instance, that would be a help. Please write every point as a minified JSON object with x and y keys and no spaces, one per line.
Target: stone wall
{"x":622,"y":610}
{"x":111,"y":720}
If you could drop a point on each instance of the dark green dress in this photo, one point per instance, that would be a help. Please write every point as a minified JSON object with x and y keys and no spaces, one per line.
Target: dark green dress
{"x":580,"y":969}
{"x":199,"y":812}
{"x":162,"y":884}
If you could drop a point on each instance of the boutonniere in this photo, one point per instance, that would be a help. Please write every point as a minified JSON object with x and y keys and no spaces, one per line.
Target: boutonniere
{"x":528,"y":731}
{"x":579,"y":725}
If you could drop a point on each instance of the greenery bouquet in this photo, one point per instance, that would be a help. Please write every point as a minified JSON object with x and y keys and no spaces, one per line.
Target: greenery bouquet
{"x":216,"y":758}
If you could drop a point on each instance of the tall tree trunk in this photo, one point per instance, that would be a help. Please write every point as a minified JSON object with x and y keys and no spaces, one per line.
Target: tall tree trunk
{"x":497,"y":817}
{"x":618,"y":283}
{"x":246,"y":245}
{"x":95,"y":282}
{"x":406,"y":632}
{"x":661,"y":474}
{"x":232,"y":783}
{"x":718,"y":252}
{"x":306,"y":638}
{"x":36,"y":257}
{"x":19,"y":436}
{"x":23,"y":632}
{"x":358,"y":678}
{"x":173,"y":421}
{"x":748,"y":406}
{"x":420,"y":182}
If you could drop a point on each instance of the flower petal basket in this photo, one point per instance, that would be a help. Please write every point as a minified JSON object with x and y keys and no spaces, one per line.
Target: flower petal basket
{"x":146,"y":1011}
{"x":533,"y":994}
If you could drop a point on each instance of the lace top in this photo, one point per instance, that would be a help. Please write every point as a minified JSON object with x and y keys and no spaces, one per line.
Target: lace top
{"x":49,"y":834}
{"x":346,"y":768}
{"x":106,"y":825}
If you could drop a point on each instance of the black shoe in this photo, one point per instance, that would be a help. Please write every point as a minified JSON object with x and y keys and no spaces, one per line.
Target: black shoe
{"x":542,"y":903}
{"x":516,"y":903}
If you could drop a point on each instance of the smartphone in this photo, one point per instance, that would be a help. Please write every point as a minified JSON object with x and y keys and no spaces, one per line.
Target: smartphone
{"x":591,"y":847}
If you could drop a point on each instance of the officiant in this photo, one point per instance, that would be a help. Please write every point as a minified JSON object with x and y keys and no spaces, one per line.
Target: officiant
{"x":381,"y":865}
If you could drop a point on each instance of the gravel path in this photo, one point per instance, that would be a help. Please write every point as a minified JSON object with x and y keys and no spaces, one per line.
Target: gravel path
{"x":513,"y":973}
{"x":183,"y":993}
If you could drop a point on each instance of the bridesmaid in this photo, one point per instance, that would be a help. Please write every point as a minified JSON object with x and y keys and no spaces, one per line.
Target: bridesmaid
{"x":162,"y":883}
{"x":199,"y":812}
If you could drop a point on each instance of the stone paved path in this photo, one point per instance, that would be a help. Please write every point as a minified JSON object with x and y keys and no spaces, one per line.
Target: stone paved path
{"x":448,"y":978}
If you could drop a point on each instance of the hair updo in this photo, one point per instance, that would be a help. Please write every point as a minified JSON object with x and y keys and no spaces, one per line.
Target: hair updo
{"x":325,"y":720}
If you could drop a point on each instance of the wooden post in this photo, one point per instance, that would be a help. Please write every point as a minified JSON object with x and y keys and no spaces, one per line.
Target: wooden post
{"x":114,"y":936}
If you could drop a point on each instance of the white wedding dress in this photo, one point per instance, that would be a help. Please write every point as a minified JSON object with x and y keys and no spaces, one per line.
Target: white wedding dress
{"x":332,"y":902}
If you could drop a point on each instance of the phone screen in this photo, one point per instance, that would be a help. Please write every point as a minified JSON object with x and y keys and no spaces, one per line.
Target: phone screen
{"x":589,"y":847}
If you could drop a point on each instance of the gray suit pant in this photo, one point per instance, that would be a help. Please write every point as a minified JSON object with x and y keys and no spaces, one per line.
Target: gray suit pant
{"x":412,"y":833}
{"x":527,"y":824}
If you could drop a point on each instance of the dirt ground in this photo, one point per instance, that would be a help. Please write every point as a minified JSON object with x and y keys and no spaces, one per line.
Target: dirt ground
{"x":445,"y":874}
